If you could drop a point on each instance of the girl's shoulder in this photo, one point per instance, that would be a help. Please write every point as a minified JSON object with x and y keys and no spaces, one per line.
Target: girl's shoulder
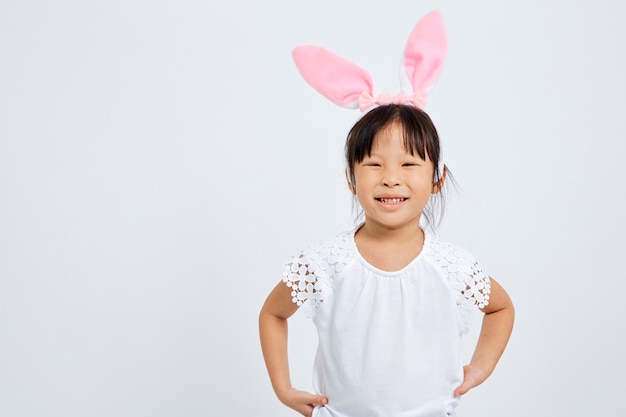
{"x":330,"y":252}
{"x":445,"y":253}
{"x":340,"y":240}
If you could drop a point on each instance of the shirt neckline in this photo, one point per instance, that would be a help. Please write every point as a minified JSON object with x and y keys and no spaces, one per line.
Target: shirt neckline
{"x":418,"y":257}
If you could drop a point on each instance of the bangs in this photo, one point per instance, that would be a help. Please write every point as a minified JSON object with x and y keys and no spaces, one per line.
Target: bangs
{"x":419,"y":135}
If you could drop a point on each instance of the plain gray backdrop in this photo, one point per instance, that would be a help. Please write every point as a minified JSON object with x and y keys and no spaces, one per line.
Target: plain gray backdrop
{"x":159,"y":160}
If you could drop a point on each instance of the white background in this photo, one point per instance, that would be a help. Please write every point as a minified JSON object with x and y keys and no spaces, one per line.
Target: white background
{"x":159,"y":160}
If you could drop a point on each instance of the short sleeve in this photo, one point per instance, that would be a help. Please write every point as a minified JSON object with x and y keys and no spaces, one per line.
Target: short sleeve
{"x":306,"y":287}
{"x":311,"y":274}
{"x":466,"y":277}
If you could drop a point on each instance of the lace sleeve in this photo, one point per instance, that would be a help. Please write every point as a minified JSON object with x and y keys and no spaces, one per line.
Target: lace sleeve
{"x":469,"y":281}
{"x":311,"y":275}
{"x":473,"y":287}
{"x":304,"y":283}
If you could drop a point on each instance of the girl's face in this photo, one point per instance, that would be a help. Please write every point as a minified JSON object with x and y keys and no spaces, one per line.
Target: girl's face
{"x":391,"y":184}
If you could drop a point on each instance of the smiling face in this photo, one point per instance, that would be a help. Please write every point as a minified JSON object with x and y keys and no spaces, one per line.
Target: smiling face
{"x":391,"y":183}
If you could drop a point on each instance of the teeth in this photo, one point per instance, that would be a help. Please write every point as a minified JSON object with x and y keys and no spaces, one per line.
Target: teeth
{"x":392,"y":200}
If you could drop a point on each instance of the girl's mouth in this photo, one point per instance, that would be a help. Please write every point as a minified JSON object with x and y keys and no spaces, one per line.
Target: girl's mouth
{"x":395,"y":200}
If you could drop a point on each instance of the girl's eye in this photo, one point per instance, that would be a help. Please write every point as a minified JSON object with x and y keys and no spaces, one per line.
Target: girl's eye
{"x":410,"y":164}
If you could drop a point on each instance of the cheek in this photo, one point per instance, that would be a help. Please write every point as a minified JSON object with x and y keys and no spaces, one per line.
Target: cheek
{"x":363,"y":181}
{"x":423,"y":185}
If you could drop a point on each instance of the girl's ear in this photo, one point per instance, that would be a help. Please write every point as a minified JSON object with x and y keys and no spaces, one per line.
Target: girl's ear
{"x":438,"y":185}
{"x":350,"y":185}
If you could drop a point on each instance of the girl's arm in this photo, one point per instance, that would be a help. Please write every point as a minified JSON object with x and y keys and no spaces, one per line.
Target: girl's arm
{"x":277,"y":309}
{"x":494,"y":335}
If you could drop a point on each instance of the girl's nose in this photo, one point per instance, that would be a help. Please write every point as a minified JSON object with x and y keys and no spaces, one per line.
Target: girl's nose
{"x":390,"y":180}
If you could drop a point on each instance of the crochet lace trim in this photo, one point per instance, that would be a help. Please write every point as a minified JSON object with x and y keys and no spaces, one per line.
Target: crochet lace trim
{"x":311,"y":274}
{"x":470,"y":282}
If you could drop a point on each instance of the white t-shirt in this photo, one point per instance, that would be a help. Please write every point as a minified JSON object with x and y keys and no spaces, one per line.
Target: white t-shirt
{"x":389,"y":342}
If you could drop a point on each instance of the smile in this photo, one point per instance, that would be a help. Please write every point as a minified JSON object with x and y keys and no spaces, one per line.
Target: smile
{"x":395,"y":200}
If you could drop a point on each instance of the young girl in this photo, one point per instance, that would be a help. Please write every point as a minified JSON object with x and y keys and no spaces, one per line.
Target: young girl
{"x":390,"y":300}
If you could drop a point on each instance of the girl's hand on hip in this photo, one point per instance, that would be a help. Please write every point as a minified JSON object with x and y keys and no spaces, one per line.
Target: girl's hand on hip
{"x":472,"y":377}
{"x":301,"y":401}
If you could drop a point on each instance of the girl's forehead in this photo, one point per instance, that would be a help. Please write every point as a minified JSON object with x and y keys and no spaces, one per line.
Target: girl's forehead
{"x":391,"y":136}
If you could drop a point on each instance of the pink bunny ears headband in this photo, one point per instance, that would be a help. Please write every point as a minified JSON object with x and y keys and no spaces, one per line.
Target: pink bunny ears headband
{"x":349,"y":85}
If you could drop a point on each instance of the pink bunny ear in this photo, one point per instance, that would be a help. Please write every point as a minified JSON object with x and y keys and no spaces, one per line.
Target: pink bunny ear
{"x":424,"y":54}
{"x":336,"y":78}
